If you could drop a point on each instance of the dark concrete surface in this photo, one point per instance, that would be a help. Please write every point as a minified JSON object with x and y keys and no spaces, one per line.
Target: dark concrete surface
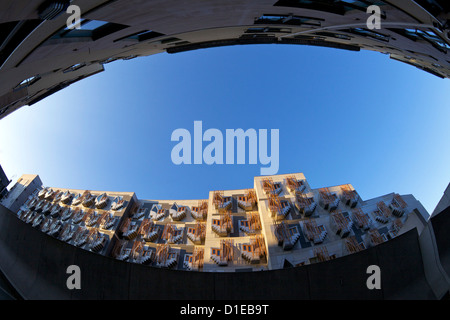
{"x":441,"y":227}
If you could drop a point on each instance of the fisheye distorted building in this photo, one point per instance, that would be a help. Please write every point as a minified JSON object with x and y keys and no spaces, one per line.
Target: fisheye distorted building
{"x":281,"y":239}
{"x":40,"y":55}
{"x":280,"y":222}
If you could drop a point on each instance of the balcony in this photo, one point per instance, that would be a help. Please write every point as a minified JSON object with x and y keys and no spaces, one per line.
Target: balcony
{"x":313,"y":232}
{"x":67,"y":233}
{"x":165,"y":257}
{"x":305,"y":204}
{"x":287,"y":235}
{"x":328,"y":200}
{"x":279,"y":208}
{"x":341,"y":224}
{"x":80,"y":237}
{"x":349,"y":196}
{"x":78,"y":216}
{"x":140,"y":213}
{"x":223,"y":255}
{"x":197,"y":234}
{"x":149,"y":231}
{"x":194,"y":261}
{"x":118,"y":203}
{"x":221,"y":202}
{"x":130,"y":229}
{"x":97,"y":241}
{"x":101,"y":201}
{"x":294,"y":185}
{"x":107,"y":221}
{"x":178,"y":213}
{"x":248,"y":201}
{"x":222,"y":226}
{"x":92,"y":218}
{"x":254,"y":252}
{"x":66,"y":197}
{"x":383,"y":213}
{"x":66,"y":214}
{"x":157,"y":212}
{"x":172,"y":234}
{"x":361,"y":219}
{"x":270,"y":187}
{"x":77,"y":199}
{"x":398,"y":205}
{"x":252,"y":224}
{"x":88,"y":199}
{"x":200,"y":212}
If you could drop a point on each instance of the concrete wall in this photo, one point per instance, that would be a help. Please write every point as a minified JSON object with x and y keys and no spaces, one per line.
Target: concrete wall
{"x":441,"y":224}
{"x":36,"y":265}
{"x":20,"y":192}
{"x":444,"y":202}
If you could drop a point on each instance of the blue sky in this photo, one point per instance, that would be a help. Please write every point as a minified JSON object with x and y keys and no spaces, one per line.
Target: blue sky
{"x":343,"y":117}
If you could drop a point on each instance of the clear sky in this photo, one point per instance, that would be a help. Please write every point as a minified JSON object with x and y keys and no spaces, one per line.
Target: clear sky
{"x":343,"y":117}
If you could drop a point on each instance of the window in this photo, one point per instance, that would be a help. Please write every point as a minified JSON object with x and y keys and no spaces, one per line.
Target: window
{"x":92,"y":24}
{"x":333,"y":6}
{"x":334,"y":35}
{"x":91,"y":29}
{"x":74,"y":67}
{"x":434,"y":6}
{"x":2,"y":111}
{"x":434,"y":39}
{"x":27,"y":82}
{"x":130,"y":57}
{"x":109,"y":60}
{"x":264,"y":30}
{"x":169,"y":40}
{"x":429,"y":36}
{"x":288,"y":19}
{"x":370,"y":34}
{"x":181,"y":43}
{"x":141,"y":36}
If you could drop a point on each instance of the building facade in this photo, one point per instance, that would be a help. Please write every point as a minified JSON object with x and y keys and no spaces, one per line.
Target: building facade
{"x":280,"y":222}
{"x":40,"y":54}
{"x":4,"y":182}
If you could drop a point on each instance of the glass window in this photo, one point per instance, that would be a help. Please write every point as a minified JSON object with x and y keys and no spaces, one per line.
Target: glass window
{"x":332,"y":6}
{"x":27,"y":82}
{"x":93,"y":29}
{"x":92,"y":24}
{"x":370,"y":33}
{"x":141,"y":36}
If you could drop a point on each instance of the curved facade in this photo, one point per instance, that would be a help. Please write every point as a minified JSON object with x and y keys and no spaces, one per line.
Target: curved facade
{"x":280,"y":222}
{"x":35,"y":263}
{"x":39,"y":55}
{"x":237,"y":244}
